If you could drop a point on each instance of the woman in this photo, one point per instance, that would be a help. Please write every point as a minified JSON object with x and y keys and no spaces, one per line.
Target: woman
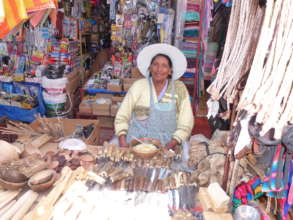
{"x":159,"y":105}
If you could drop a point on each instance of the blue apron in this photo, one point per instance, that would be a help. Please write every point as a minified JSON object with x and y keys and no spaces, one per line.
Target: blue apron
{"x":161,"y":123}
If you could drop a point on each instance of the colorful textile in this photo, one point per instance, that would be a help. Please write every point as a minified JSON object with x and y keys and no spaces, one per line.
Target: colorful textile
{"x":191,"y":23}
{"x":289,"y":192}
{"x":36,"y":5}
{"x":189,"y":52}
{"x":246,"y":191}
{"x":15,"y":13}
{"x":273,"y":183}
{"x":190,"y":33}
{"x":193,"y":7}
{"x":192,"y":16}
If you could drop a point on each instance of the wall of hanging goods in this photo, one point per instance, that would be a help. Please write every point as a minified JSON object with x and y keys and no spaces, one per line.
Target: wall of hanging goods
{"x":134,"y":25}
{"x":52,"y":45}
{"x":69,"y":35}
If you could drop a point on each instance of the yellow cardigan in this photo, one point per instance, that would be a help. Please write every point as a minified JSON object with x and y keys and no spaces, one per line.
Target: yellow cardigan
{"x":137,"y":101}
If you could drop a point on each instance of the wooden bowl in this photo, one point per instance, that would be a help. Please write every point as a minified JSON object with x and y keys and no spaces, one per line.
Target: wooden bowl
{"x":10,"y":185}
{"x":148,"y":140}
{"x":143,"y":153}
{"x":49,"y":177}
{"x":12,"y":175}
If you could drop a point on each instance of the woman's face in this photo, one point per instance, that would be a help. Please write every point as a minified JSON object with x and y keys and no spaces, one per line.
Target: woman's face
{"x":160,"y":69}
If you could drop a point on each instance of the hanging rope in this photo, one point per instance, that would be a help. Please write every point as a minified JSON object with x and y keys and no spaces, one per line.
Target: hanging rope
{"x":243,"y":32}
{"x":269,"y":90}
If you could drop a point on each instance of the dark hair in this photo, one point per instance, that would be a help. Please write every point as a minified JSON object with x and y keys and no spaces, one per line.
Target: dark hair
{"x":162,"y":55}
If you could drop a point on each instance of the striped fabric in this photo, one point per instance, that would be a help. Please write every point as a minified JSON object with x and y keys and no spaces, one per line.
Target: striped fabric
{"x":15,"y":13}
{"x":36,"y":5}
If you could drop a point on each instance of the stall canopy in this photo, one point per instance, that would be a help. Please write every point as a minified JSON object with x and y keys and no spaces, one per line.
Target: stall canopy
{"x":15,"y":12}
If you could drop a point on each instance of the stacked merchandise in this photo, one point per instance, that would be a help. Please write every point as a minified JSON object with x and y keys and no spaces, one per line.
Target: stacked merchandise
{"x":192,"y":29}
{"x":64,"y":52}
{"x":101,"y":27}
{"x":25,"y":55}
{"x":20,"y":101}
{"x":70,"y":28}
{"x":94,"y":26}
{"x":187,"y":36}
{"x":100,"y":90}
{"x":209,"y":49}
{"x":61,"y":77}
{"x":8,"y":56}
{"x":52,"y":49}
{"x":20,"y":70}
{"x":26,"y":60}
{"x":41,"y":58}
{"x":136,"y":25}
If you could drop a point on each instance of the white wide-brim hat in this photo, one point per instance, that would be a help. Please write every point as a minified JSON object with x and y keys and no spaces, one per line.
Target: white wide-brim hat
{"x":145,"y":56}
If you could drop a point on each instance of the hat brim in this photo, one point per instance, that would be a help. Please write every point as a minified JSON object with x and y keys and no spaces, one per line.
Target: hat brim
{"x":178,"y":59}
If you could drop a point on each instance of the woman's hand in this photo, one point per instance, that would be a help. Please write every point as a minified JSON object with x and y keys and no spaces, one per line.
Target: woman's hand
{"x":172,"y":145}
{"x":122,"y":141}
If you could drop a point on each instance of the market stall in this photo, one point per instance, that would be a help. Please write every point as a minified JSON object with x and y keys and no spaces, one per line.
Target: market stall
{"x":57,"y":57}
{"x":50,"y":47}
{"x":56,"y":174}
{"x":255,"y":80}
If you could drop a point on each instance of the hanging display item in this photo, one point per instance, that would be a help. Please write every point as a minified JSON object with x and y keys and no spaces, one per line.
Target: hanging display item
{"x":137,"y":24}
{"x":240,"y":46}
{"x":271,"y":71}
{"x":36,"y":5}
{"x":191,"y":36}
{"x":14,"y":13}
{"x":46,"y":48}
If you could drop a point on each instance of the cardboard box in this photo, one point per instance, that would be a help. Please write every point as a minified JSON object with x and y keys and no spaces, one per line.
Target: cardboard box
{"x":114,"y":109}
{"x":101,"y":109}
{"x":69,"y":126}
{"x":85,"y":107}
{"x":116,"y":99}
{"x":103,"y":95}
{"x":114,"y":88}
{"x":106,"y":121}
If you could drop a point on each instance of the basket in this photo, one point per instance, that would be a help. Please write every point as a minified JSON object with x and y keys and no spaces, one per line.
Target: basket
{"x":10,"y":185}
